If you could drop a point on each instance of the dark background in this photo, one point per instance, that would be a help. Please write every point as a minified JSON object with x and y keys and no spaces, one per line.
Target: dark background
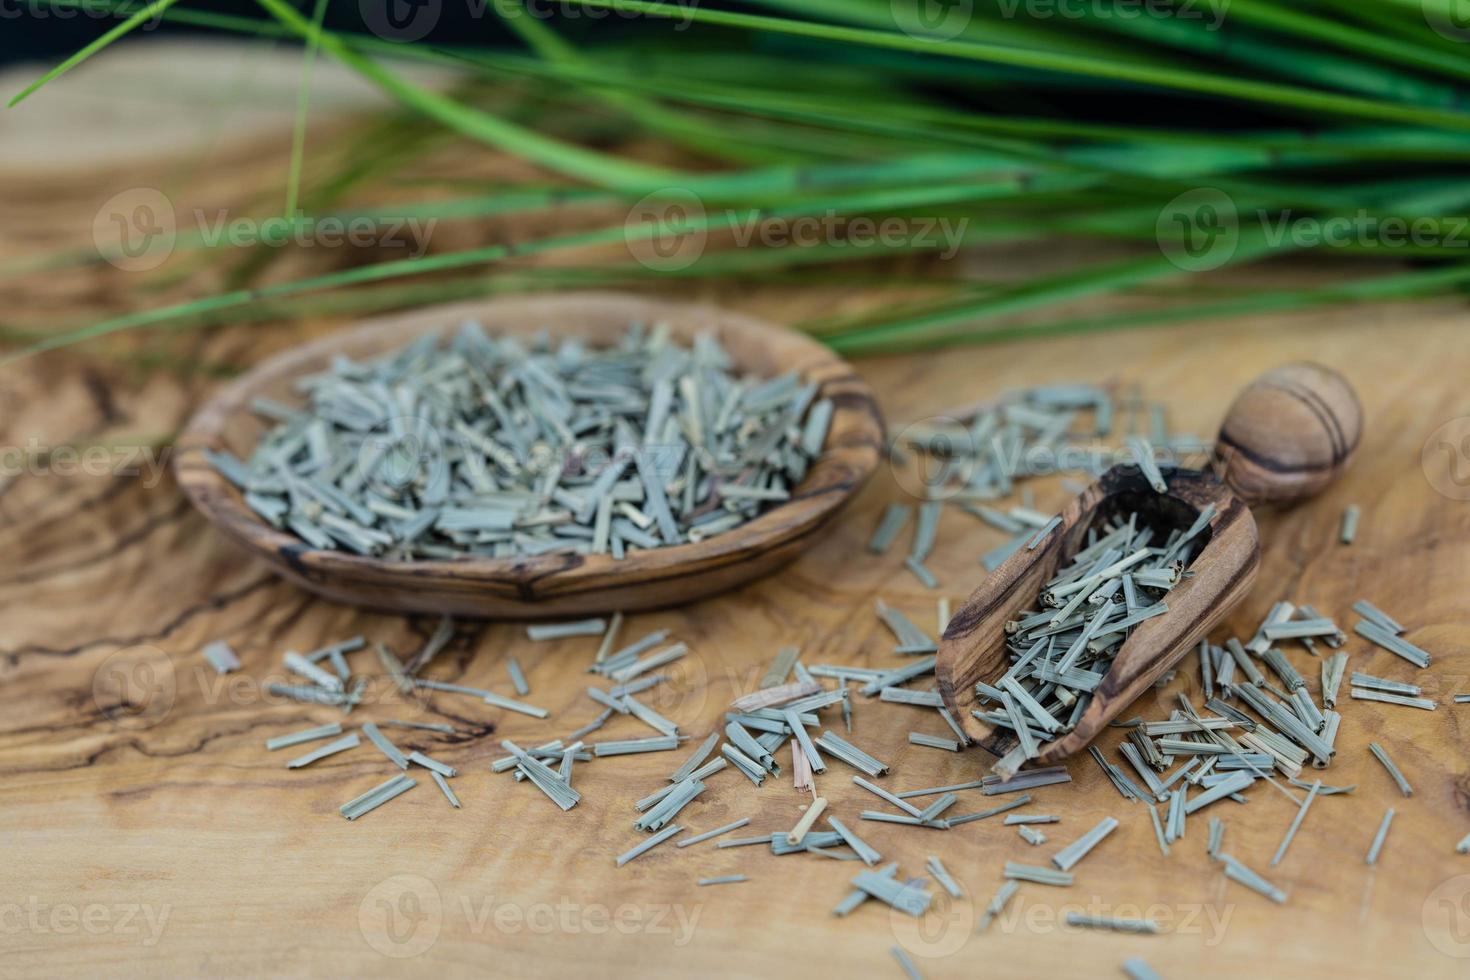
{"x":32,"y":31}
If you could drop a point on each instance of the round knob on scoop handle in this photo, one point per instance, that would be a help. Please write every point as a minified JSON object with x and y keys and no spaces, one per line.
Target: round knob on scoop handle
{"x":1289,"y":434}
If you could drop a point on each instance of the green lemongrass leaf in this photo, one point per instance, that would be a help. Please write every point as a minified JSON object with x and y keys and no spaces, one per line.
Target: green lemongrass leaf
{"x":1388,"y":143}
{"x":596,"y":168}
{"x":1252,"y":242}
{"x":692,"y":132}
{"x":1016,"y":31}
{"x":136,"y":20}
{"x":303,"y":104}
{"x":626,"y":234}
{"x":1408,"y":285}
{"x":1312,"y":27}
{"x":1316,"y":66}
{"x":1266,"y":93}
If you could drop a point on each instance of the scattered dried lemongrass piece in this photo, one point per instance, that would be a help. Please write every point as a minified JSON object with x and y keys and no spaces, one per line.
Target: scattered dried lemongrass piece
{"x":517,"y":676}
{"x":933,"y":742}
{"x":1380,"y":837}
{"x":377,"y":796}
{"x":394,"y":667}
{"x":770,"y":697}
{"x":1067,"y":857}
{"x":1239,"y":873}
{"x":350,"y":741}
{"x":444,"y":788}
{"x":1366,"y":694}
{"x":1112,"y":923}
{"x":696,"y":760}
{"x":1379,"y":635}
{"x":1393,"y":771}
{"x":221,"y":657}
{"x":1372,"y":613}
{"x":1003,"y":895}
{"x":776,"y":674}
{"x":883,"y":794}
{"x":305,"y":735}
{"x":384,"y":746}
{"x":647,"y":845}
{"x":1137,"y":969}
{"x":564,"y":630}
{"x":419,"y":759}
{"x":907,"y":965}
{"x":298,"y":664}
{"x":1037,"y":874}
{"x":861,"y":848}
{"x":1296,"y":822}
{"x":710,"y":834}
{"x":900,"y":896}
{"x":813,"y":811}
{"x":895,"y":516}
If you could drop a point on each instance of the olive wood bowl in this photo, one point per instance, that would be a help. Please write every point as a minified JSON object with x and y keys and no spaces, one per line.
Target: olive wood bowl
{"x":546,"y":585}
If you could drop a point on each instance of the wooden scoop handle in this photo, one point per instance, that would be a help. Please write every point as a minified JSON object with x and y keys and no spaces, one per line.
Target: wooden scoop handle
{"x":1289,"y":434}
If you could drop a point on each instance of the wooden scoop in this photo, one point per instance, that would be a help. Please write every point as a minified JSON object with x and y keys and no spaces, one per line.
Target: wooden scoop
{"x":1286,"y":437}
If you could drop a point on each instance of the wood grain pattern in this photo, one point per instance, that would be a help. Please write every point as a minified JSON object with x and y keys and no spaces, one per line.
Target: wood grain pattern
{"x":257,"y":874}
{"x":147,"y":831}
{"x":549,"y":585}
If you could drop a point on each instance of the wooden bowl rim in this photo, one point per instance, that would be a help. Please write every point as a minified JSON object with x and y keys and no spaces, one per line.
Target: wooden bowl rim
{"x":856,"y":419}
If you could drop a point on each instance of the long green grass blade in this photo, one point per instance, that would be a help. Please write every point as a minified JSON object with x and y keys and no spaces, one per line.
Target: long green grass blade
{"x":1212,"y":84}
{"x":303,"y":105}
{"x":138,"y":19}
{"x":596,"y":168}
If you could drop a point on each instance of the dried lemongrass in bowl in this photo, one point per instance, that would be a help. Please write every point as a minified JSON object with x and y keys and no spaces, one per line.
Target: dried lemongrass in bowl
{"x":487,"y":447}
